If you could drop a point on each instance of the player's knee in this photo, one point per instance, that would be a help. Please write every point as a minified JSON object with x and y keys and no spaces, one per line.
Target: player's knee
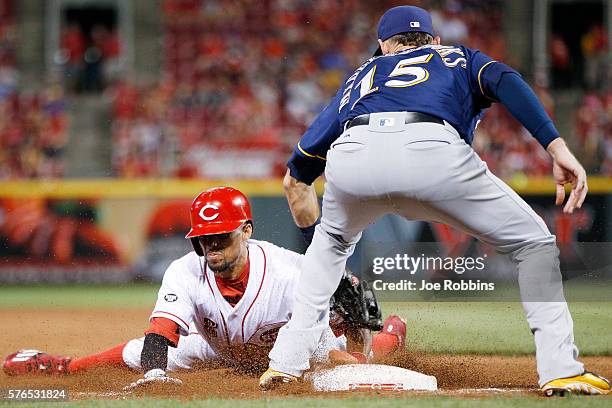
{"x":544,"y":239}
{"x":131,"y":353}
{"x":539,"y":251}
{"x":540,"y":237}
{"x":340,"y":239}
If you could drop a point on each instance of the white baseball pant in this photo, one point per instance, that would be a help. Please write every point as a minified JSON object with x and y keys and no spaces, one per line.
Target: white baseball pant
{"x":425,"y":171}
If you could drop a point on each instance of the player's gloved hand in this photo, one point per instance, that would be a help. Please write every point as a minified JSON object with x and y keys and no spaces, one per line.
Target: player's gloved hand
{"x":355,"y":312}
{"x":567,"y":170}
{"x":155,"y":376}
{"x":355,"y":304}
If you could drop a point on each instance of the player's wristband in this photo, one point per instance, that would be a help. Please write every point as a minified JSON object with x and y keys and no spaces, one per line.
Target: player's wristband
{"x":154,"y":352}
{"x":308,"y":232}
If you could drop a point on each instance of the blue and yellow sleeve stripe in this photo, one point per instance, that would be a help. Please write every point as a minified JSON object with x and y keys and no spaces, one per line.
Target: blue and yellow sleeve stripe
{"x":480,"y":82}
{"x":305,"y":153}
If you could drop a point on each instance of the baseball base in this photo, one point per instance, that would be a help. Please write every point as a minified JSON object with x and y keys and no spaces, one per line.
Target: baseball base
{"x":356,"y":377}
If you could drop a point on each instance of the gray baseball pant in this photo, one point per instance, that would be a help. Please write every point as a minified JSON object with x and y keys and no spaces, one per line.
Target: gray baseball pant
{"x":425,"y":171}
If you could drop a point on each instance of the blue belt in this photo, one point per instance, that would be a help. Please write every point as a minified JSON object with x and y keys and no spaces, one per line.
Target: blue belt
{"x":411,"y":117}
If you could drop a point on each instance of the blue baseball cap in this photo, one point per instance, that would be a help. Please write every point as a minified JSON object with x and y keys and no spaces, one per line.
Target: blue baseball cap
{"x":403,"y":19}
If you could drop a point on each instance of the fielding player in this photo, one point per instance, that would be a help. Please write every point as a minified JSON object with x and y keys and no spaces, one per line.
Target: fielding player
{"x":223,"y":302}
{"x":396,"y":140}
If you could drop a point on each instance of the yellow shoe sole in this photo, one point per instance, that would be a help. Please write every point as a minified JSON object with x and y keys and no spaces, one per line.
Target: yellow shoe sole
{"x":272,"y":379}
{"x":585,"y":384}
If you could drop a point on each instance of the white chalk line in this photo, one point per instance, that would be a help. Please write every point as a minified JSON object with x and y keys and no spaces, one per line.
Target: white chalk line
{"x":459,"y":391}
{"x":488,"y":390}
{"x":105,"y":394}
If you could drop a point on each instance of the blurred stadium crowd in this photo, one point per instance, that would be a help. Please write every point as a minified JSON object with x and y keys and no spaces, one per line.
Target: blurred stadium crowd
{"x":242,"y":80}
{"x":33,"y":124}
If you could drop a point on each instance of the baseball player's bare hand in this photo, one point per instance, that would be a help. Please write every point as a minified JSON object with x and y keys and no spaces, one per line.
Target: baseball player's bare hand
{"x":303,"y":201}
{"x":155,"y":376}
{"x":339,"y":357}
{"x":568,"y":170}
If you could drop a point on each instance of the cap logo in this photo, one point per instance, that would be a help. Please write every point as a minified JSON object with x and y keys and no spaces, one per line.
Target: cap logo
{"x":209,"y":207}
{"x":415,"y":24}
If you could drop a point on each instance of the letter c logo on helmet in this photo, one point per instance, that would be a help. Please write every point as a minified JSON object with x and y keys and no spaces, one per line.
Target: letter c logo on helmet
{"x":209,"y":207}
{"x":219,"y":210}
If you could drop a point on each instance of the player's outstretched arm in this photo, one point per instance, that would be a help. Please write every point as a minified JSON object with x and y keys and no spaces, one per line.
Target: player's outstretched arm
{"x":518,"y":97}
{"x":303,"y":203}
{"x":567,"y":170}
{"x":154,"y":360}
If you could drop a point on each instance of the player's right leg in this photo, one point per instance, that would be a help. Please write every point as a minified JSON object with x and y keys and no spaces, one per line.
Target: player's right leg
{"x":391,"y":338}
{"x":346,"y":212}
{"x":460,"y":191}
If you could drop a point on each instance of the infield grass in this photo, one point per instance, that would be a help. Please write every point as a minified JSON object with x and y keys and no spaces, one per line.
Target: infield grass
{"x":438,"y":327}
{"x":127,"y":295}
{"x":495,"y":327}
{"x":389,"y":402}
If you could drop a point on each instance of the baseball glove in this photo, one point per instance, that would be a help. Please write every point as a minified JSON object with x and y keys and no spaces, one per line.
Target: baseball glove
{"x":354,"y":311}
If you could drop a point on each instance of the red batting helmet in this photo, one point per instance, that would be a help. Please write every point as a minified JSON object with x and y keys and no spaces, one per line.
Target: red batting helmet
{"x":218,"y":210}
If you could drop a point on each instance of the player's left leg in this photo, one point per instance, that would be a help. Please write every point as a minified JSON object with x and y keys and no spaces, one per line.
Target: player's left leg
{"x":39,"y":362}
{"x":30,"y":361}
{"x":505,"y":221}
{"x":457,"y":189}
{"x":344,"y":216}
{"x":112,"y":357}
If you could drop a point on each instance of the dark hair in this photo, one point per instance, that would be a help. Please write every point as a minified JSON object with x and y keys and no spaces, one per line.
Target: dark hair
{"x":414,"y":38}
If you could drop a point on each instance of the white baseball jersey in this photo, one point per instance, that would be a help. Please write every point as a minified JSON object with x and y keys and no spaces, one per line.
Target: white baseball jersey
{"x":247,"y":331}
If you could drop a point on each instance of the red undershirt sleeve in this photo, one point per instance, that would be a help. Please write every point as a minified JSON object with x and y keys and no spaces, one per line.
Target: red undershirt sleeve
{"x":166,"y":328}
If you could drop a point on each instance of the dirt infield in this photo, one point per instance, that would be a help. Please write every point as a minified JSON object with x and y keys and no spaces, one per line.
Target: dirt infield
{"x":80,"y":332}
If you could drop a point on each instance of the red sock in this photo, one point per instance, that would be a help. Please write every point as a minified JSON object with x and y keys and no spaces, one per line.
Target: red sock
{"x":111,"y":357}
{"x":384,"y":343}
